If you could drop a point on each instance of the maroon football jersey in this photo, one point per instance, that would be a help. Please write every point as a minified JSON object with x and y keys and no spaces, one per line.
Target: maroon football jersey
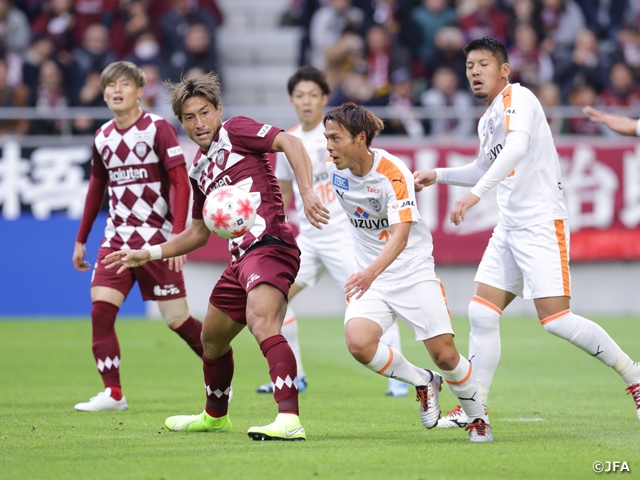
{"x":238,"y":156}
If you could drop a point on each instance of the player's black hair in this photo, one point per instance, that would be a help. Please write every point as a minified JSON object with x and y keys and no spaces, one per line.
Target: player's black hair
{"x":492,"y":45}
{"x":311,"y":74}
{"x":355,"y":119}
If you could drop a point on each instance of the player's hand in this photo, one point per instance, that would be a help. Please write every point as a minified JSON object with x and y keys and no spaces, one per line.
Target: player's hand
{"x":79,"y":252}
{"x":176,"y":263}
{"x":126,"y":259}
{"x":424,"y":178}
{"x":460,"y":208}
{"x":358,"y":283}
{"x":617,"y":123}
{"x":314,"y":210}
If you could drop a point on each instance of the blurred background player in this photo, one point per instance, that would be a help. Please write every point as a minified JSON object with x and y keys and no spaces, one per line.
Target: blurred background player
{"x":309,"y":92}
{"x":618,"y":123}
{"x":137,"y":157}
{"x":528,"y":254}
{"x":395,"y":274}
{"x":253,"y":289}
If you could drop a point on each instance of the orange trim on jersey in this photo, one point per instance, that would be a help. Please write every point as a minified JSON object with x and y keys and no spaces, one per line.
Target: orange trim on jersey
{"x":486,"y":303}
{"x":330,"y":159}
{"x":388,"y":361}
{"x":555,"y":316}
{"x":446,"y":302}
{"x":398,"y":183}
{"x":506,"y":103}
{"x":405,"y":216}
{"x":564,"y":256}
{"x":293,"y":129}
{"x":288,"y":321}
{"x":464,"y":379}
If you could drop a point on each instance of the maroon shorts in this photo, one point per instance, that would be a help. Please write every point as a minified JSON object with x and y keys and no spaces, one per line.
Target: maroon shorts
{"x":276,"y":265}
{"x":155,"y":280}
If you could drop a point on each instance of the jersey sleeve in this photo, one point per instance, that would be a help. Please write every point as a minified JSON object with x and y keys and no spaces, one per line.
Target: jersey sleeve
{"x":401,"y":194}
{"x":251,"y":135}
{"x":283,"y":168}
{"x":98,"y":168}
{"x":166,"y":145}
{"x":198,"y":200}
{"x":519,"y":109}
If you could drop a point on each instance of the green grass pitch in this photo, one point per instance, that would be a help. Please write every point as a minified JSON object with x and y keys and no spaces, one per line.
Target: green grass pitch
{"x":554,"y":410}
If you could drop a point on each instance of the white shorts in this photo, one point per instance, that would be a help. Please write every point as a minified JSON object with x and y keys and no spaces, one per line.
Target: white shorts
{"x":421,"y":305}
{"x":318,"y":255}
{"x":530,"y":263}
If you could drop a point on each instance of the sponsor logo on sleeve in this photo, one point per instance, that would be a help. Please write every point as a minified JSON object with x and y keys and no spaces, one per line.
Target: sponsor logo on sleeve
{"x":263,"y":131}
{"x":400,"y":204}
{"x":173,"y":151}
{"x":341,"y":182}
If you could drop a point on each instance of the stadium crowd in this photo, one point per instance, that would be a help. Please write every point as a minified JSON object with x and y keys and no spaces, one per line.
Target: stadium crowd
{"x":397,"y":53}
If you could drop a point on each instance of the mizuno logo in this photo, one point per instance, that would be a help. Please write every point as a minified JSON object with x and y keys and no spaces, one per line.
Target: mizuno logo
{"x":292,"y":432}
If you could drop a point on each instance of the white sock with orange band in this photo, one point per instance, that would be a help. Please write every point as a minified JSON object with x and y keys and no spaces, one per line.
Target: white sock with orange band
{"x":593,"y":339}
{"x":290,"y":332}
{"x":463,"y":384}
{"x":484,"y":342}
{"x":391,"y":364}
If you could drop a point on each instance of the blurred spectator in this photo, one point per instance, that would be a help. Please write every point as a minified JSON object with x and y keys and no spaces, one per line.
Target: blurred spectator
{"x":622,"y":91}
{"x":561,"y":21}
{"x":629,"y":41}
{"x":586,"y":66}
{"x":157,"y":9}
{"x":327,"y":26}
{"x":14,"y":28}
{"x":198,"y":52}
{"x":48,"y":95}
{"x":355,"y":88}
{"x":145,"y":50}
{"x":41,"y":49}
{"x":342,"y":56}
{"x":90,"y":95}
{"x":383,"y":58}
{"x":91,"y":12}
{"x":486,"y":20}
{"x":92,"y":56}
{"x":56,"y":21}
{"x":525,"y":11}
{"x":530,"y":66}
{"x":448,"y":53}
{"x":130,"y":23}
{"x":154,"y":97}
{"x":582,"y":96}
{"x":549,"y":96}
{"x":401,"y":100}
{"x":430,"y":17}
{"x":604,"y":18}
{"x":12,"y":97}
{"x":445,"y":93}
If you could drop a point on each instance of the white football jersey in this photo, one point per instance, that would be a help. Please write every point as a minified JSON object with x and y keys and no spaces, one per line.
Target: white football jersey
{"x":315,"y":144}
{"x":383,"y":197}
{"x":532,"y":193}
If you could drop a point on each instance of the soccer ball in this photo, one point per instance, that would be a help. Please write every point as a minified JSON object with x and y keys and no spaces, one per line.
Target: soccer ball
{"x":229,"y":212}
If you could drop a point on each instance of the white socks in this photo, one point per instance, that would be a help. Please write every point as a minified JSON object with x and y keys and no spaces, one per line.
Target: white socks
{"x":391,"y":364}
{"x":462,"y":382}
{"x":290,"y":332}
{"x":484,"y":342}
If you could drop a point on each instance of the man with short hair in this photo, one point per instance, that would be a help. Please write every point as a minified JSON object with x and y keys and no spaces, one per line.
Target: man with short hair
{"x":395,"y":274}
{"x":253,"y":289}
{"x":528,"y":254}
{"x":309,"y":92}
{"x":136,"y":156}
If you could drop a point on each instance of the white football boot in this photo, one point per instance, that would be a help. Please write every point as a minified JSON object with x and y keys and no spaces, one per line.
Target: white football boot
{"x":102,"y":402}
{"x":455,"y":418}
{"x":427,"y":396}
{"x":479,"y":431}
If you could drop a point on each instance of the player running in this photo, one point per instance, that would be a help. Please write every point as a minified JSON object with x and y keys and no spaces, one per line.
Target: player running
{"x":136,"y":156}
{"x":618,"y":123}
{"x":253,"y":289}
{"x":395,"y":270}
{"x":528,"y":254}
{"x":309,"y":93}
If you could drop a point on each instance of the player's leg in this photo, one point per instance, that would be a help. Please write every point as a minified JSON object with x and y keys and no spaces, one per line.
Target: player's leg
{"x":218,"y":330}
{"x":176,"y":314}
{"x":391,"y":337}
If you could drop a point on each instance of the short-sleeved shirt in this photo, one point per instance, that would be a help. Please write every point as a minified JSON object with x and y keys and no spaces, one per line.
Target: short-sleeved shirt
{"x":238,"y":156}
{"x":315,"y":144}
{"x":383,"y":197}
{"x":135,"y":161}
{"x":532,"y":193}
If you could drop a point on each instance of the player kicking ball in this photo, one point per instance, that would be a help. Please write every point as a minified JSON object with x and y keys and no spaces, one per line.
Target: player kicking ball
{"x":136,"y":156}
{"x":253,"y":289}
{"x":528,"y":254}
{"x":395,"y":269}
{"x":309,"y":92}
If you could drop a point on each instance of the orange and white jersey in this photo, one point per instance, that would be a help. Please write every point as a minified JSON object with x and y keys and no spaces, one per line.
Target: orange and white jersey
{"x":384,"y":197}
{"x":532,"y":193}
{"x":315,"y":144}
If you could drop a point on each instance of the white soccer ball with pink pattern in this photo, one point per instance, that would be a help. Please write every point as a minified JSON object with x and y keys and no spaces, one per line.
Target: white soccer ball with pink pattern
{"x":229,"y":212}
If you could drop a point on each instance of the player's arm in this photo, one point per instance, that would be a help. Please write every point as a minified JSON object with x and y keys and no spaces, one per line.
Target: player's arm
{"x":465,"y":176}
{"x":618,"y":123}
{"x":510,"y":156}
{"x":286,"y":188}
{"x":181,"y":192}
{"x":299,"y":160}
{"x":358,"y":283}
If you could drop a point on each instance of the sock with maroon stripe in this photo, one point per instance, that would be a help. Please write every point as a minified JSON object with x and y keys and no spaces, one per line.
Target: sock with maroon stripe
{"x":282,"y":369}
{"x":463,"y":384}
{"x":190,"y":331}
{"x":218,"y":373}
{"x":106,"y":349}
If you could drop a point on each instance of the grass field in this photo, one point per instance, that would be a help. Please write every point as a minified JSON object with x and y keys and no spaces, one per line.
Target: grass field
{"x":554,"y":410}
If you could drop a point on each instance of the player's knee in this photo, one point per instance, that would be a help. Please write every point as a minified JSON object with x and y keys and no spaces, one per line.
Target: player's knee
{"x":446,"y":358}
{"x":360,"y":349}
{"x":482,"y":317}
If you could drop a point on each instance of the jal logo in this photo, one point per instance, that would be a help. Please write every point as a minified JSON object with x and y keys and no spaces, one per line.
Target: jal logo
{"x":510,"y":111}
{"x":371,"y":189}
{"x":340,"y":182}
{"x":400,"y":204}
